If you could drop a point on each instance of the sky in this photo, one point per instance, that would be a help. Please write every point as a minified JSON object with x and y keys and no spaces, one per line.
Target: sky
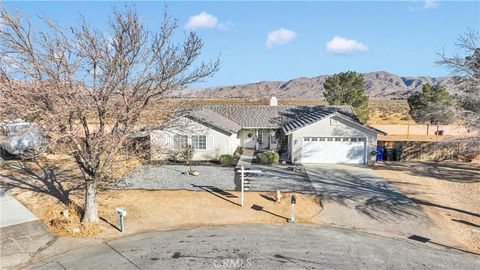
{"x":259,"y":41}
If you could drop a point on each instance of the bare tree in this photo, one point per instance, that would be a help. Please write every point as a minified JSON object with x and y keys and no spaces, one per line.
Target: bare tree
{"x":465,"y":69}
{"x":88,"y":88}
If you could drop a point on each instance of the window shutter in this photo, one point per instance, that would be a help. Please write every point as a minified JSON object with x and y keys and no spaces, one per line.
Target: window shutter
{"x":210,"y":142}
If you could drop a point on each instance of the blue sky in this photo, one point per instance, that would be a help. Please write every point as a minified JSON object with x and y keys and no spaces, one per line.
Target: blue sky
{"x":259,"y":41}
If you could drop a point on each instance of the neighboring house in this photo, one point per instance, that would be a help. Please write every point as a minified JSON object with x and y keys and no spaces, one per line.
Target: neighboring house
{"x":303,"y":134}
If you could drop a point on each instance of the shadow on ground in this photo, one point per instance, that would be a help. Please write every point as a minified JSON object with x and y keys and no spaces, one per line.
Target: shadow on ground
{"x":277,"y":177}
{"x":362,"y":190}
{"x":445,"y":170}
{"x":46,"y":179}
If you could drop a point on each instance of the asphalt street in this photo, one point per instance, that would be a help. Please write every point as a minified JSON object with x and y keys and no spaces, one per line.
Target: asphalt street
{"x":291,"y":246}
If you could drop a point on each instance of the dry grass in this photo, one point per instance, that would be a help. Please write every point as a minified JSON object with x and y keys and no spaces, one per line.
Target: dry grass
{"x":68,"y":226}
{"x":389,"y":112}
{"x":123,"y":165}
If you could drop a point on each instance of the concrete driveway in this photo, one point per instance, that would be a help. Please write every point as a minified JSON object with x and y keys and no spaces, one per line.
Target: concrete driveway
{"x":261,"y":247}
{"x":356,"y":197}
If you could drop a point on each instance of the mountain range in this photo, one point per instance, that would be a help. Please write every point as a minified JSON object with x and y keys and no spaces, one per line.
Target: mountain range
{"x":378,"y":85}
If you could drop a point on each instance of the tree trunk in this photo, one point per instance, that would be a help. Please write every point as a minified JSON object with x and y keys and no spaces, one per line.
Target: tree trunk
{"x":91,"y":211}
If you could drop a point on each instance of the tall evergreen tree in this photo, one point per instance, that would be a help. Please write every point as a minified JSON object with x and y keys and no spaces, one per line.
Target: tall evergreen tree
{"x":432,"y":105}
{"x":347,"y":88}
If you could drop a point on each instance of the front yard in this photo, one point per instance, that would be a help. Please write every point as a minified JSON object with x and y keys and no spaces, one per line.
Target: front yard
{"x":46,"y":190}
{"x":161,"y":197}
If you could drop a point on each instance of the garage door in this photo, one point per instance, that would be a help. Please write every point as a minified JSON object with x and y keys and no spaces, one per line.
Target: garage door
{"x":333,"y":150}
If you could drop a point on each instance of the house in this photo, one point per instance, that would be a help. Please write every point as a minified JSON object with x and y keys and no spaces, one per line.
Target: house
{"x":303,"y":134}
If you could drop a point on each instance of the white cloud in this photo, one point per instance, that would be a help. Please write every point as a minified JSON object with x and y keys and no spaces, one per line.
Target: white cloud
{"x":201,"y":20}
{"x":279,"y":37}
{"x":205,"y":20}
{"x":340,"y":45}
{"x":430,"y":4}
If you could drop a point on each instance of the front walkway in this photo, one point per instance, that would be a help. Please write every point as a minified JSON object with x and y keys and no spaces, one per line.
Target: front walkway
{"x":22,"y":234}
{"x":246,"y":158}
{"x":13,"y":212}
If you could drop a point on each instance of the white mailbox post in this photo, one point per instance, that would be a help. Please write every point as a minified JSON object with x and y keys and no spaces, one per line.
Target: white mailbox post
{"x":242,"y":177}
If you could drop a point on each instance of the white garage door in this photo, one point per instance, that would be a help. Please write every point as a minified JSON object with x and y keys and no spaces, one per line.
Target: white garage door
{"x":333,"y":150}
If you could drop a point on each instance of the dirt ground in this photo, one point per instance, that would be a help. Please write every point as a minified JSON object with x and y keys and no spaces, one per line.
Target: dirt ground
{"x":448,"y":192}
{"x":48,"y":190}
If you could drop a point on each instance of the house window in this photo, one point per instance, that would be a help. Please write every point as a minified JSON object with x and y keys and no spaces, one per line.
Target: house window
{"x":321,"y":139}
{"x":329,"y":139}
{"x":353,"y":139}
{"x":345,"y":139}
{"x":180,"y":141}
{"x":337,"y":139}
{"x":333,"y":122}
{"x":199,"y":142}
{"x":306,"y":139}
{"x":314,"y":139}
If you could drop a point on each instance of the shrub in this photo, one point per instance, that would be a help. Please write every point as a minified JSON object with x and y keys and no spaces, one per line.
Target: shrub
{"x":269,"y":157}
{"x":227,"y":160}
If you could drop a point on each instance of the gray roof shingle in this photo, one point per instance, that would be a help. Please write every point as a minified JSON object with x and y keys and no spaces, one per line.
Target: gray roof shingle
{"x":258,"y":116}
{"x":232,"y":118}
{"x":214,"y":119}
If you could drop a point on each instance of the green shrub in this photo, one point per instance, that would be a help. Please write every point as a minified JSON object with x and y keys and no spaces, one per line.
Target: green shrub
{"x":269,"y":157}
{"x":227,"y":160}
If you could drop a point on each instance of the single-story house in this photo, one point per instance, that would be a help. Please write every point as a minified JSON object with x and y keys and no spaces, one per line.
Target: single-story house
{"x":303,"y":134}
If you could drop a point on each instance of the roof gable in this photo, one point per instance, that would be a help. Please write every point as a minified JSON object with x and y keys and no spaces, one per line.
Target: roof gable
{"x":310,"y":119}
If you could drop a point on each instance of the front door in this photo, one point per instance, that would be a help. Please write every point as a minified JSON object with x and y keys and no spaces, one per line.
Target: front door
{"x":249,"y":139}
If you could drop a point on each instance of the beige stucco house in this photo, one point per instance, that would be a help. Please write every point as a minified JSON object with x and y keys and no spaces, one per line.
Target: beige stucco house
{"x":302,"y":134}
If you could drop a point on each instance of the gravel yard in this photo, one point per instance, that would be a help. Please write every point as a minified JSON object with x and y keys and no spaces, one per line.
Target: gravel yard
{"x":170,"y":177}
{"x":278,"y":177}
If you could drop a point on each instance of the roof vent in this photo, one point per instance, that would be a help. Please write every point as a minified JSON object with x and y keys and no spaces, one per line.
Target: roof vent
{"x":273,"y":101}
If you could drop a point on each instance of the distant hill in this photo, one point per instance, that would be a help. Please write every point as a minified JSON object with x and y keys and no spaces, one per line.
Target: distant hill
{"x":378,"y":85}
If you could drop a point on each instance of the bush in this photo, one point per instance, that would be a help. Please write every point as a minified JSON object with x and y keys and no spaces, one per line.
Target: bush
{"x":269,"y":157}
{"x":227,"y":160}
